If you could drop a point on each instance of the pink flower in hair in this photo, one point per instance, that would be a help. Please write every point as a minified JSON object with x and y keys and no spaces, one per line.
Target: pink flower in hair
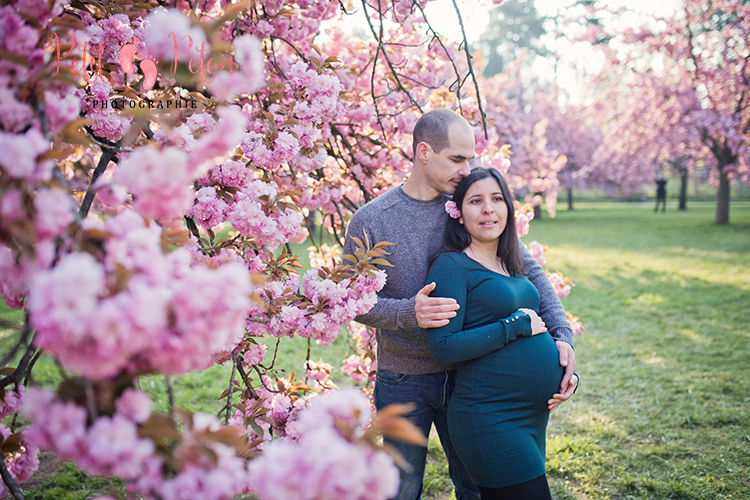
{"x":452,"y":209}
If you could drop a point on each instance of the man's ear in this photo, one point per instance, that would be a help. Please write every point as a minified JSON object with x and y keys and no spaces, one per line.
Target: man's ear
{"x":423,"y":151}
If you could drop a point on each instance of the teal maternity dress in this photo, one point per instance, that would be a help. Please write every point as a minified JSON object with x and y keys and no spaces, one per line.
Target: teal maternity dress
{"x":497,"y":415}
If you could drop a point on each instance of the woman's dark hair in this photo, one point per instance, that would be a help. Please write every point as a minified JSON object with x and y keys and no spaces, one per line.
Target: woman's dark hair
{"x":457,"y":238}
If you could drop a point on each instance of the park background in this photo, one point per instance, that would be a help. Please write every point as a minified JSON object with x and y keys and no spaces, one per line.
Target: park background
{"x":597,"y":101}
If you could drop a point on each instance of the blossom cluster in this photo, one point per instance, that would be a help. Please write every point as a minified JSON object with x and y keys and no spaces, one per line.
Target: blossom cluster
{"x":575,"y":324}
{"x":363,"y":365}
{"x":273,"y":413}
{"x":40,"y":217}
{"x":330,"y":461}
{"x":318,"y":310}
{"x":560,"y":283}
{"x":22,"y":462}
{"x":112,"y":445}
{"x":24,"y":459}
{"x":524,"y":214}
{"x":326,"y":256}
{"x":536,"y":250}
{"x":320,"y":373}
{"x":269,"y":224}
{"x":134,"y":307}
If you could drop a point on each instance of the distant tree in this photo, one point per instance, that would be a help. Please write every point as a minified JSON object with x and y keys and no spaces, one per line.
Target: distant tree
{"x":704,"y":52}
{"x":514,"y":26}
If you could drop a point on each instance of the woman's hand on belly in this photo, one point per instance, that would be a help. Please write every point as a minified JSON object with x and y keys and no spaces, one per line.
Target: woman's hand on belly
{"x":537,"y":324}
{"x":561,"y":397}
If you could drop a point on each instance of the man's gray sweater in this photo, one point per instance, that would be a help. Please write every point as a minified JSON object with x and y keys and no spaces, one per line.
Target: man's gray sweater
{"x":416,"y":228}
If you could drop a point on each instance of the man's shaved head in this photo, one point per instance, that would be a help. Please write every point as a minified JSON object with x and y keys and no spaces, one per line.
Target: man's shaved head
{"x":432,"y":128}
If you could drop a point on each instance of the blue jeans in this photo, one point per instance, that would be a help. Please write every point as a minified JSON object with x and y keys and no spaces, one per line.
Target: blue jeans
{"x":430,"y":393}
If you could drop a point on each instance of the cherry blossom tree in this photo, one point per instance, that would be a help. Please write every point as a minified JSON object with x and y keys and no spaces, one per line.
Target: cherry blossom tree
{"x":522,"y":118}
{"x":701,"y":91}
{"x":646,"y":123}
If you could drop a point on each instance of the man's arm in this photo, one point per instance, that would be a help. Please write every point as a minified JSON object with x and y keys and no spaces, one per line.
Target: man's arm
{"x":550,"y":308}
{"x":387,"y":313}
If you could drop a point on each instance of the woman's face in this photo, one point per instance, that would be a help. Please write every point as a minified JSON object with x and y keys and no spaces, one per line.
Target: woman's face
{"x":484,"y":212}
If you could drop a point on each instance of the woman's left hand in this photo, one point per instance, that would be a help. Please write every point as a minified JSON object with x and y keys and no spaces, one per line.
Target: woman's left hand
{"x":560,"y":398}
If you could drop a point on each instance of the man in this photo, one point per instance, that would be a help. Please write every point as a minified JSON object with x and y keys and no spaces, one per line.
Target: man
{"x":661,"y":195}
{"x":413,"y":217}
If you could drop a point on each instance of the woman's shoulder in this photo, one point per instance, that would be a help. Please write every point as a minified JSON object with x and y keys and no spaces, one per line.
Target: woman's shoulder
{"x":447,"y":258}
{"x":446,"y":269}
{"x":455,"y":261}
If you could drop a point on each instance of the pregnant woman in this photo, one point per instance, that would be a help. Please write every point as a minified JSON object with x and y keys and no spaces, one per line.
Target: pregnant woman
{"x":507,"y":365}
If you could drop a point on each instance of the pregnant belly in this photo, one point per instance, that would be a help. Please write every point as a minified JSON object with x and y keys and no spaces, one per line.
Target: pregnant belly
{"x":525,"y":371}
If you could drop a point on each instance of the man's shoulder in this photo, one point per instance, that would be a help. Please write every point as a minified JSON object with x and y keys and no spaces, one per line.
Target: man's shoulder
{"x":385,"y":201}
{"x":378,"y":209}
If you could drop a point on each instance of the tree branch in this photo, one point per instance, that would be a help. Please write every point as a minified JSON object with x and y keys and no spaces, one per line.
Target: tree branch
{"x":471,"y":69}
{"x":9,"y":482}
{"x":23,"y":365}
{"x":231,"y":388}
{"x":107,"y":156}
{"x":243,"y":375}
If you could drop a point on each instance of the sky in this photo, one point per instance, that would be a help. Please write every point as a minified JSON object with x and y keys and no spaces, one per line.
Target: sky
{"x":577,"y":60}
{"x":442,"y":14}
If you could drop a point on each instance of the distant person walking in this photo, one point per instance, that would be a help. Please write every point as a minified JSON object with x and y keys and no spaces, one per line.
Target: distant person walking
{"x":661,"y":194}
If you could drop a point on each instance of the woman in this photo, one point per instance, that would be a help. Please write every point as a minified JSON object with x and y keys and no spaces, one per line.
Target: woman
{"x":506,"y":371}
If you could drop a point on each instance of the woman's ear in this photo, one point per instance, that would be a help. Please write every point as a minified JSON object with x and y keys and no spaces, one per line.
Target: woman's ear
{"x":461,"y":220}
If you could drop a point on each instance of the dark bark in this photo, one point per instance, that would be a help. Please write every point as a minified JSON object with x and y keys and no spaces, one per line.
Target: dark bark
{"x":12,"y":486}
{"x":570,"y":199}
{"x":22,"y":369}
{"x":537,"y":209}
{"x":683,"y":190}
{"x":724,"y":157}
{"x":722,"y":198}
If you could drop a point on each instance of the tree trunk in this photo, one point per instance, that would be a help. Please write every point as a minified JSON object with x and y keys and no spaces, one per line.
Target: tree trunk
{"x":722,"y":198}
{"x":683,"y":190}
{"x":538,"y":208}
{"x":570,"y":199}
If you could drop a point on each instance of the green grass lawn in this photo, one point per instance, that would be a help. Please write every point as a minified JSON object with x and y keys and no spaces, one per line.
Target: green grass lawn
{"x":663,"y":411}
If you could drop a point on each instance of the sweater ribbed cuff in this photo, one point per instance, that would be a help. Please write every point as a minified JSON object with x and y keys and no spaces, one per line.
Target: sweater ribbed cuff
{"x":407,"y":316}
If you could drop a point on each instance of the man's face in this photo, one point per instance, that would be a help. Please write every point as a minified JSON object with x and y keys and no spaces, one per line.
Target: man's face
{"x":445,"y":170}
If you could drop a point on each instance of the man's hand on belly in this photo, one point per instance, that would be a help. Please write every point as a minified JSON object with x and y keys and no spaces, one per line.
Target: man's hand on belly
{"x":563,"y":396}
{"x":567,"y":360}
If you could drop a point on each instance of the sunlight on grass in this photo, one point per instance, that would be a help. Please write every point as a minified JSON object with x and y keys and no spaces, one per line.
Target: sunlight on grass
{"x":663,"y":410}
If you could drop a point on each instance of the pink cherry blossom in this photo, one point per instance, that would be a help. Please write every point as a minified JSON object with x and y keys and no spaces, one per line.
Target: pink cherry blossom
{"x":537,"y":252}
{"x":54,"y":211}
{"x":19,"y":158}
{"x":14,"y":115}
{"x":61,"y":109}
{"x":452,"y":209}
{"x":158,"y":26}
{"x":134,"y":405}
{"x":159,"y":181}
{"x":290,"y":470}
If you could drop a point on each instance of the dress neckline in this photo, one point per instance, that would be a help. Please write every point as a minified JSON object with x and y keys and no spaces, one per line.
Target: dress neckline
{"x":485,"y":267}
